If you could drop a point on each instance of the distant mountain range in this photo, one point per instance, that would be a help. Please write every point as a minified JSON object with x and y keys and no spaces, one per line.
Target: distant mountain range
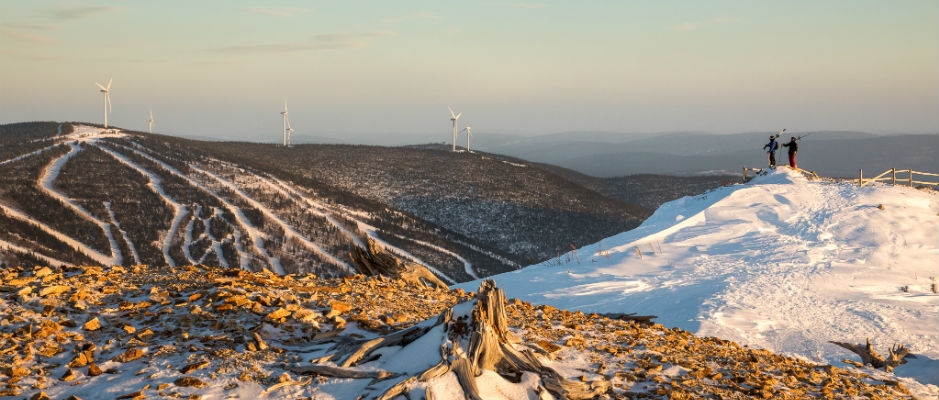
{"x":611,"y":154}
{"x":829,"y":153}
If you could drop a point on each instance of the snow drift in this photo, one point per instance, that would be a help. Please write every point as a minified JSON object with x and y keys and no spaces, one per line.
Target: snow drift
{"x":780,"y":263}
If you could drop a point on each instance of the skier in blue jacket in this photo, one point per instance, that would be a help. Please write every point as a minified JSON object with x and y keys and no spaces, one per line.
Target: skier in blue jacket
{"x":771,"y":149}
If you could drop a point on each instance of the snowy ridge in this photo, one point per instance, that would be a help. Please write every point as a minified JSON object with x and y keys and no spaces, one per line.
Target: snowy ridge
{"x":780,"y":263}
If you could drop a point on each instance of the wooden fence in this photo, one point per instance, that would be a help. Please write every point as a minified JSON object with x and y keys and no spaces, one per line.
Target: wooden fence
{"x":890,"y":175}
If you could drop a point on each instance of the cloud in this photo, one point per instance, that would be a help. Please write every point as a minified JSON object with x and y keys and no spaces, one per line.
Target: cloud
{"x":24,"y":35}
{"x":264,"y":48}
{"x":411,"y":17}
{"x":530,"y":6}
{"x":277,"y":11}
{"x":68,"y":13}
{"x":347,"y":41}
{"x":690,"y":26}
{"x":319,"y":42}
{"x":27,"y":32}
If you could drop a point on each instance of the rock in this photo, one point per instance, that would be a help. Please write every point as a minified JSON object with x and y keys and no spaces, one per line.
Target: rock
{"x":129,"y":355}
{"x":80,"y":360}
{"x":40,"y":396}
{"x":188,"y":381}
{"x":94,"y":370}
{"x":194,"y":366}
{"x":68,"y":376}
{"x":16,"y":371}
{"x":277,"y":315}
{"x":47,"y":328}
{"x":259,"y":341}
{"x":92,"y":324}
{"x":53,"y":290}
{"x":43,"y":272}
{"x":338,"y":308}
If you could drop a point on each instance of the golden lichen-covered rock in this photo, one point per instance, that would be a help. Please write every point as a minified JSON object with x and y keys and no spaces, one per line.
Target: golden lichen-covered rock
{"x":94,"y":370}
{"x":277,"y":315}
{"x":188,"y":381}
{"x":338,"y":308}
{"x":80,"y":360}
{"x":92,"y":324}
{"x":129,"y":355}
{"x":53,"y":290}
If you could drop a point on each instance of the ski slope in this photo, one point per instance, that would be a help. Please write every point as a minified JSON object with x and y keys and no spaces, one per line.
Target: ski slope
{"x":779,"y":263}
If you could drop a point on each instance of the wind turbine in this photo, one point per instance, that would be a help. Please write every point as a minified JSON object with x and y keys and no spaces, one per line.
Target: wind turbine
{"x":150,"y":121}
{"x":287,"y":129}
{"x":454,"y":118}
{"x":469,"y":133}
{"x":107,"y":100}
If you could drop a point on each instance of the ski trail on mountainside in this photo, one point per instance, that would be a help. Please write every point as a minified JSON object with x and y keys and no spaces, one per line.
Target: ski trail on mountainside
{"x":127,"y":240}
{"x":49,"y":260}
{"x":155,"y":183}
{"x":316,"y":207}
{"x":320,"y":210}
{"x":89,"y":252}
{"x":245,"y":225}
{"x":30,"y":154}
{"x":46,"y":184}
{"x":289,"y":231}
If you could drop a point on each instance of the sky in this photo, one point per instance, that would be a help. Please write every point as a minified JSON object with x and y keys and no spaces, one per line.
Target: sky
{"x":356,"y":69}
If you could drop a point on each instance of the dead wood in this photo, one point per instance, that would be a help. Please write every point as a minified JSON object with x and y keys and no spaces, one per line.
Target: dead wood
{"x":869,"y":356}
{"x":339,"y":372}
{"x":491,"y":346}
{"x":374,"y":261}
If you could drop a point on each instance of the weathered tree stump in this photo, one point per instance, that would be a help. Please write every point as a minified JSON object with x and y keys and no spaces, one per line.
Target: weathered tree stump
{"x":472,"y":343}
{"x":897,"y":356}
{"x":374,"y":261}
{"x":481,"y":341}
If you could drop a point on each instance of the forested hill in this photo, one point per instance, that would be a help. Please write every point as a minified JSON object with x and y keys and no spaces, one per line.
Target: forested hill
{"x":74,"y":194}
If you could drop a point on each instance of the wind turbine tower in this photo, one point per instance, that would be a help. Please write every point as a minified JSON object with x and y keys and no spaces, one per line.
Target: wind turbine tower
{"x":150,"y":122}
{"x":469,"y":133}
{"x":106,"y":90}
{"x":287,"y":129}
{"x":454,"y":118}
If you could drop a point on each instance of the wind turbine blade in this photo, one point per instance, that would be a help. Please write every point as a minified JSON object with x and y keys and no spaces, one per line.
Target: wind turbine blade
{"x":109,"y":84}
{"x":451,"y":113}
{"x":458,"y":116}
{"x":99,"y":85}
{"x":107,"y":96}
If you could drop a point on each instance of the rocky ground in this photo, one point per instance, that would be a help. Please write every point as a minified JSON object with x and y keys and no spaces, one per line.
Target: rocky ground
{"x":201,"y":332}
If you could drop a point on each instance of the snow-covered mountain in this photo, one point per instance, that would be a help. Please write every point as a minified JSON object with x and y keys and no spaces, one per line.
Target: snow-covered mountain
{"x":781,"y":263}
{"x":72,"y":194}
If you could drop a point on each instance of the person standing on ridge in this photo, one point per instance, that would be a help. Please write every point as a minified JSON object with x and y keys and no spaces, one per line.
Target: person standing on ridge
{"x":771,"y":149}
{"x":793,"y":148}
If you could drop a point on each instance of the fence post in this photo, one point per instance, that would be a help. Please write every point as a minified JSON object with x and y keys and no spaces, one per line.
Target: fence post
{"x":911,"y":177}
{"x":894,"y":181}
{"x":860,"y":177}
{"x":744,"y":174}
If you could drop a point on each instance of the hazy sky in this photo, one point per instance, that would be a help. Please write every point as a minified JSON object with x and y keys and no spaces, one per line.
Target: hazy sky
{"x":349,"y":68}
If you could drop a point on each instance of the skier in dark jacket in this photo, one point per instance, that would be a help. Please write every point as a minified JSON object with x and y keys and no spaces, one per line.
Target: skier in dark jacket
{"x":793,"y":148}
{"x":771,"y":149}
